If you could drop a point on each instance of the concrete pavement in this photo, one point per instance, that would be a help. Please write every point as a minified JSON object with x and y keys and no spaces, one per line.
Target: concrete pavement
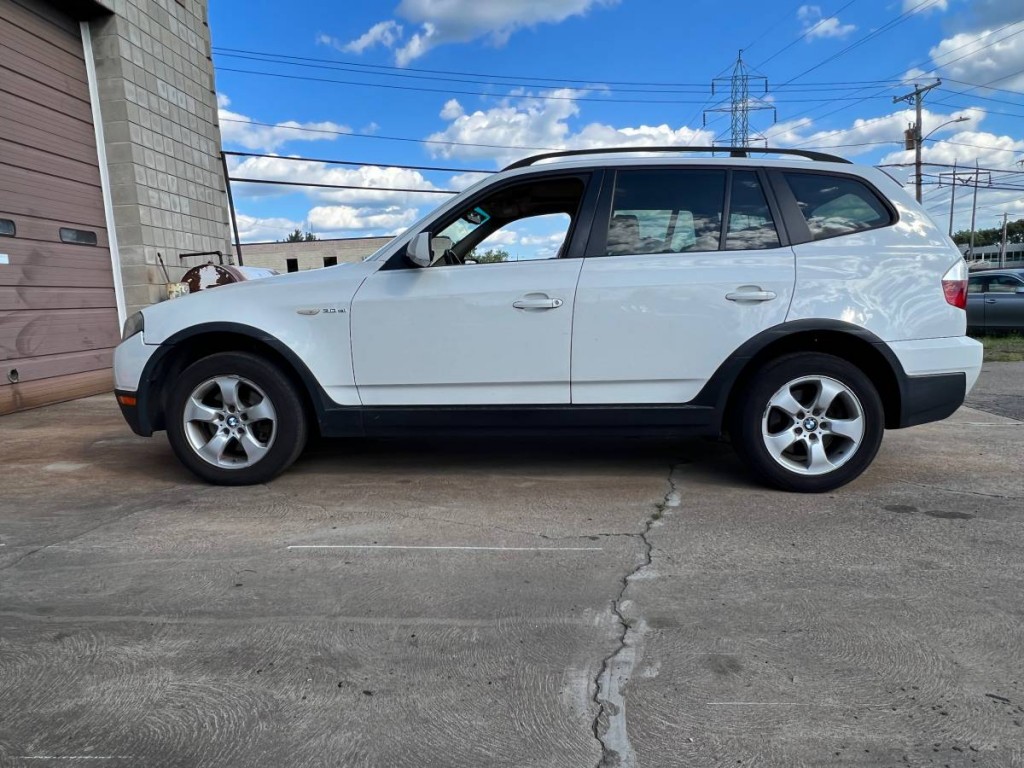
{"x":485,"y":603}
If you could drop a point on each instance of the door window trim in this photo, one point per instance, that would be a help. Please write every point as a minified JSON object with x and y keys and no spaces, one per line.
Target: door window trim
{"x":597,"y":244}
{"x":576,"y":236}
{"x":801,"y":231}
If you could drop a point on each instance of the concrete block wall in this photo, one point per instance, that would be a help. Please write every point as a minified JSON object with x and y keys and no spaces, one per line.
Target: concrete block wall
{"x":310,"y":254}
{"x":159,"y":108}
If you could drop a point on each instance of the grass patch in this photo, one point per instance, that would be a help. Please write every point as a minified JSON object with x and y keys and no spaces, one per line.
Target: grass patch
{"x":1003,"y":349}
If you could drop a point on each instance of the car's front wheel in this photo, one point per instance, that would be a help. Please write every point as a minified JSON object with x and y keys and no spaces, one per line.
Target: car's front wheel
{"x":809,"y":422}
{"x":235,"y":419}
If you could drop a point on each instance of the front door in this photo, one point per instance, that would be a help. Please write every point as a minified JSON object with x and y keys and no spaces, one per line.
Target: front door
{"x":667,"y":292}
{"x":490,"y":323}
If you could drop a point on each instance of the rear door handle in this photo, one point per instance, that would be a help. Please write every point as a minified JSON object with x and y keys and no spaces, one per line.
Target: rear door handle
{"x":537,"y":303}
{"x":751,"y":295}
{"x":990,"y":301}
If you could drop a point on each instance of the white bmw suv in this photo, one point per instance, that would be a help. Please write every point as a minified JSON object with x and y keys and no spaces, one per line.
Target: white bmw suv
{"x":800,"y":305}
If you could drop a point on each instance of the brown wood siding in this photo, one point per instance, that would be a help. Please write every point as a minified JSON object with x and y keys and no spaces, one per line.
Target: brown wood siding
{"x":58,"y":317}
{"x":32,"y":394}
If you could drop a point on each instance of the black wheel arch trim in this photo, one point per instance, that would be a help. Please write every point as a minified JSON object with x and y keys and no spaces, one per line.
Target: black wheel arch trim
{"x":148,"y":416}
{"x":913,"y":406}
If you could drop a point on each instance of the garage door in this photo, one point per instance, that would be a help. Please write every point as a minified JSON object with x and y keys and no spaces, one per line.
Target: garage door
{"x":58,"y":316}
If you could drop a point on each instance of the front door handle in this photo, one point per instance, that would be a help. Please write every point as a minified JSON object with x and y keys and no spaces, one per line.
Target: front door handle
{"x":537,"y":302}
{"x":752,"y":293}
{"x":990,"y":301}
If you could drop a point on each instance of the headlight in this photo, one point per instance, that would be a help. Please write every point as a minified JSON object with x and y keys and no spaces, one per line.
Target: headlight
{"x":134,"y":324}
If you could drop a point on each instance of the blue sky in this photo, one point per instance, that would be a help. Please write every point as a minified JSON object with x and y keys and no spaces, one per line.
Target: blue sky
{"x":588,"y":73}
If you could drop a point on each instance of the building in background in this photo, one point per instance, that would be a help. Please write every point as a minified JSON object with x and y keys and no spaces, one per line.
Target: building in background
{"x":309,"y":254}
{"x":109,"y":163}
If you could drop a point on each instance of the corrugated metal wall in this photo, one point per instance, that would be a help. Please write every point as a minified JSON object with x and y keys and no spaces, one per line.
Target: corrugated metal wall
{"x":58,"y":317}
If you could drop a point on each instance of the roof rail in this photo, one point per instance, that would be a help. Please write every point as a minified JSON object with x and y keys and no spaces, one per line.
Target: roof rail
{"x":821,"y":157}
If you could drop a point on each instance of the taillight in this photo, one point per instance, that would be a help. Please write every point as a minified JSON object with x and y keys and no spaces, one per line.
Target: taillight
{"x":954,"y":285}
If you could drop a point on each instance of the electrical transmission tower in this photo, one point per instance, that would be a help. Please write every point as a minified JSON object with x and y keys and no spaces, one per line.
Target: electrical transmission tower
{"x":741,"y":103}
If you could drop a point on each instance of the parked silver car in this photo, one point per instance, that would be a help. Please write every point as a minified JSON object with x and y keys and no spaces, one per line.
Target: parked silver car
{"x":995,"y":301}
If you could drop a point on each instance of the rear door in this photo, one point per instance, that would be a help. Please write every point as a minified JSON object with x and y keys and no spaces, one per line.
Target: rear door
{"x":684,"y":265}
{"x":1004,"y":306}
{"x":976,"y":287}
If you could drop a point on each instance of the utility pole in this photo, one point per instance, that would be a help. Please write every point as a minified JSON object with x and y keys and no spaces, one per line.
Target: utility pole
{"x":917,"y":137}
{"x":952,"y":199}
{"x":1002,"y":242}
{"x":741,"y":103}
{"x":974,"y":206}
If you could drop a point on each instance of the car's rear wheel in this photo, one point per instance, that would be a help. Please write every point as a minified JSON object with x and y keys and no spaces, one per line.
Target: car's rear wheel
{"x":235,"y":419}
{"x":809,"y":422}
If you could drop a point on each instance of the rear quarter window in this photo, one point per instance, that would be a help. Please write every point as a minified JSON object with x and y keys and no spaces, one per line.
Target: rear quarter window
{"x":837,"y":205}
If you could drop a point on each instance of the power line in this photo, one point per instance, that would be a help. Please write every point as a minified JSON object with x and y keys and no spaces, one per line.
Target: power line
{"x":449,"y":91}
{"x":806,"y":33}
{"x":345,"y":186}
{"x":359,"y":163}
{"x":915,"y":66}
{"x":356,"y":135}
{"x":488,"y":77}
{"x":870,"y":36}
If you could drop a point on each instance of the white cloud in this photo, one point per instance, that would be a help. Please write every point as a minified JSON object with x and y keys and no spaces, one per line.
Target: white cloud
{"x":924,"y":6}
{"x":252,"y":229}
{"x":384,"y":33}
{"x":867,"y":132}
{"x":982,"y":57}
{"x":241,"y":130}
{"x":369,"y":179}
{"x":332,"y":219}
{"x":540,"y":124}
{"x":816,"y":26}
{"x":459,"y":21}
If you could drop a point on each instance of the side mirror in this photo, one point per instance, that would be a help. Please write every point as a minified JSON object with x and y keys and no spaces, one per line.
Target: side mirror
{"x":424,"y":250}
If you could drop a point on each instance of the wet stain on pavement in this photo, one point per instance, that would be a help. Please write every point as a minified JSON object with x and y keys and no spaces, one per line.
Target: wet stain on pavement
{"x":942,"y":514}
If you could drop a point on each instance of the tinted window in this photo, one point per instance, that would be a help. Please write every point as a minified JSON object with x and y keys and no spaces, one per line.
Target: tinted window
{"x":666,"y":211}
{"x":977,"y":284}
{"x":751,"y":225}
{"x":836,"y":205}
{"x":1004,"y":284}
{"x":6,"y":228}
{"x":77,"y":236}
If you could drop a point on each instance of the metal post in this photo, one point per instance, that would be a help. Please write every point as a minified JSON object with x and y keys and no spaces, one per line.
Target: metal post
{"x":1002,"y":242}
{"x":974,"y":206}
{"x":231,"y":207}
{"x":952,"y":199}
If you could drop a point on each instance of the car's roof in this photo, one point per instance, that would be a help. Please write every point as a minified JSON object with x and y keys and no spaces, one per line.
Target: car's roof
{"x":989,"y":271}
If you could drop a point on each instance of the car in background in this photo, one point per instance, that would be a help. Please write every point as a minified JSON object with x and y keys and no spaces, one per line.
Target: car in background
{"x":995,"y":301}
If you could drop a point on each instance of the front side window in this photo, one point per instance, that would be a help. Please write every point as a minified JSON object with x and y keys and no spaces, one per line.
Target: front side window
{"x":836,"y":205}
{"x":666,"y":211}
{"x":525,"y":222}
{"x":1004,"y":284}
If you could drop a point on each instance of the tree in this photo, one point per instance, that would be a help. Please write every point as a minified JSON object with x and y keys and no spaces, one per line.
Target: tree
{"x":993,"y":236}
{"x":298,"y":237}
{"x":490,"y":256}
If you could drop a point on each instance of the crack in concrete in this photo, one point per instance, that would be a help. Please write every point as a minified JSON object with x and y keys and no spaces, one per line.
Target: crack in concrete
{"x":961,"y":491}
{"x":609,"y":724}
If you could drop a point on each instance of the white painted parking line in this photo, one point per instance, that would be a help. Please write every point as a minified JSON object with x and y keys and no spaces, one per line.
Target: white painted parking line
{"x":472,"y":549}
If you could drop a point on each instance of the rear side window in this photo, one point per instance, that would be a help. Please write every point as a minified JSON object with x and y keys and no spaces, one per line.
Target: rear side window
{"x":751,"y":226}
{"x":666,"y":211}
{"x":837,"y":205}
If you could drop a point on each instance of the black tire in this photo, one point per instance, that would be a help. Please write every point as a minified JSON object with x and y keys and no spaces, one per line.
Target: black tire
{"x":752,"y":410}
{"x":284,"y":435}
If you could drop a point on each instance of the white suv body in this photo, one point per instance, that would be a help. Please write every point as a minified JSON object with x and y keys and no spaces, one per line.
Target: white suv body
{"x":682,"y":291}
